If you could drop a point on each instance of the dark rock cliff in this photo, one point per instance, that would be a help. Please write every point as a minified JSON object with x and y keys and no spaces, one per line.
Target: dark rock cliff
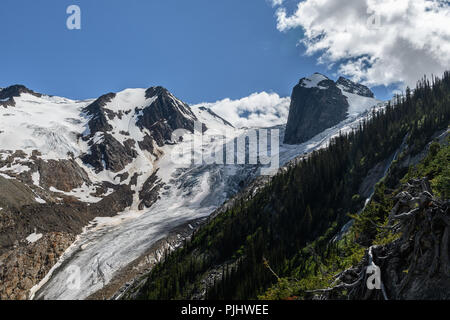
{"x":110,"y":154}
{"x":318,"y":103}
{"x":314,"y":109}
{"x":99,"y":120}
{"x":165,"y":115}
{"x":7,"y":94}
{"x":355,"y":88}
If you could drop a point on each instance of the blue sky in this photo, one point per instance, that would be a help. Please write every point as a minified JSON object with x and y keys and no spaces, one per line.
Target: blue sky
{"x":201,"y":50}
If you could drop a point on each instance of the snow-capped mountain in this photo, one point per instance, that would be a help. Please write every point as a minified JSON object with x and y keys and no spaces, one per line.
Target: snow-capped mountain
{"x":318,"y":103}
{"x":103,"y":170}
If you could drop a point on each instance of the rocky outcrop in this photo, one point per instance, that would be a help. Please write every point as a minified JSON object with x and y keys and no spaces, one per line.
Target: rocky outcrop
{"x":16,"y":91}
{"x":98,"y":114}
{"x":149,"y":193}
{"x":64,"y":175}
{"x":27,"y":264}
{"x":24,"y":264}
{"x":7,"y":103}
{"x":165,"y":115}
{"x":7,"y":94}
{"x":106,"y":152}
{"x":415,"y":266}
{"x":14,"y":194}
{"x":354,"y":88}
{"x":63,"y":214}
{"x":110,"y":154}
{"x":316,"y":104}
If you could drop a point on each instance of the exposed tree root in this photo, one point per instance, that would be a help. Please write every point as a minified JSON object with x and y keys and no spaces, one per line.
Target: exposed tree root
{"x":424,"y":224}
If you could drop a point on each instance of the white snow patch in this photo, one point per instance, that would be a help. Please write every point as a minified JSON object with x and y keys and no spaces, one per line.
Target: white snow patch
{"x":32,"y":238}
{"x":83,"y":193}
{"x":313,"y":81}
{"x":6,"y":176}
{"x":39,"y":200}
{"x":16,"y":167}
{"x":128,"y":100}
{"x":359,"y":104}
{"x":35,"y":176}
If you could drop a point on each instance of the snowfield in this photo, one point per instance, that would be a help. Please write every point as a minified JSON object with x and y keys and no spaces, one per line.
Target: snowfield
{"x":47,"y":124}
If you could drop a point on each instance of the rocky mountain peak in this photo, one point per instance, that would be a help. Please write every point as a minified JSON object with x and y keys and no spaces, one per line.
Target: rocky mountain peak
{"x":318,"y":103}
{"x":15,"y":91}
{"x":123,"y":124}
{"x":316,"y":80}
{"x":7,"y":94}
{"x":99,"y":120}
{"x":355,"y":88}
{"x":156,"y":91}
{"x":160,"y":96}
{"x":165,"y":114}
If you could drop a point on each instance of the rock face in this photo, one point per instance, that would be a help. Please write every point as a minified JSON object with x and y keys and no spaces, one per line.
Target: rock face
{"x":318,"y":103}
{"x":98,"y":114}
{"x":355,"y":88}
{"x":165,"y":115}
{"x":159,"y":116}
{"x":66,"y":215}
{"x":150,"y":191}
{"x":16,"y":91}
{"x":61,"y":174}
{"x":7,"y":94}
{"x":415,"y":266}
{"x":14,"y":194}
{"x":110,"y":154}
{"x":105,"y":153}
{"x":24,"y":267}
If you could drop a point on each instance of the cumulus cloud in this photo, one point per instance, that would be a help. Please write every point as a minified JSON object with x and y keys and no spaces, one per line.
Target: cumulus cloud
{"x":257,"y":110}
{"x":377,"y":42}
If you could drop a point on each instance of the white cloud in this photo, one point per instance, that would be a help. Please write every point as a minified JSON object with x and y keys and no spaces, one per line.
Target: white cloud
{"x":378,"y":42}
{"x":277,"y":2}
{"x":257,"y":110}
